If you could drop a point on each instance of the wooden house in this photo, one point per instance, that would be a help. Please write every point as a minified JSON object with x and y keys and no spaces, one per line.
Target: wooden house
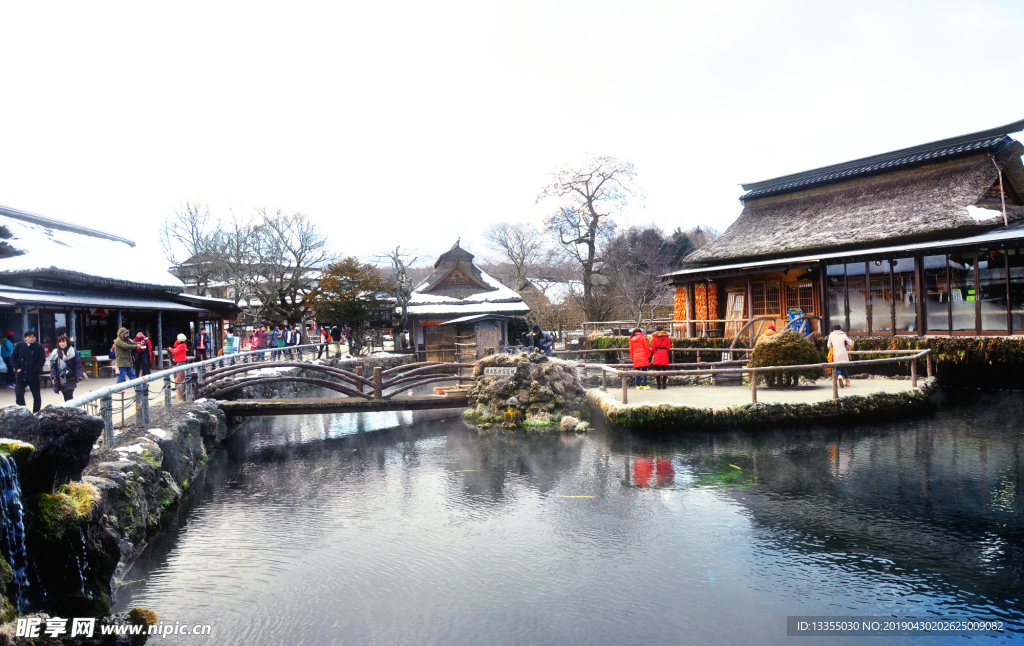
{"x":458,"y":310}
{"x":924,"y":240}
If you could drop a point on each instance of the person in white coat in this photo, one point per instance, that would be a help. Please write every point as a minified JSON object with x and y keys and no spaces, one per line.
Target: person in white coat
{"x":840,"y":344}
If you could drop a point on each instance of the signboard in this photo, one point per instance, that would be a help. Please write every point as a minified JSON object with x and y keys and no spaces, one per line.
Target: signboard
{"x":500,"y":372}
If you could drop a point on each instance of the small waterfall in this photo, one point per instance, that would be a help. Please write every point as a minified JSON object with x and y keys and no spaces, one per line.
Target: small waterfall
{"x":81,"y":561}
{"x":12,"y":534}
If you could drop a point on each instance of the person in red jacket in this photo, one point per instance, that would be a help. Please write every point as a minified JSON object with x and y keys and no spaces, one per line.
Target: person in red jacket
{"x":640,"y":353}
{"x":179,"y":357}
{"x":661,"y":346}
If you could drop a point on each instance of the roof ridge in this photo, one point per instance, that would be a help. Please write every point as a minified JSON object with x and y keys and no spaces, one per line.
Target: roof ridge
{"x":42,"y":220}
{"x":994,"y":138}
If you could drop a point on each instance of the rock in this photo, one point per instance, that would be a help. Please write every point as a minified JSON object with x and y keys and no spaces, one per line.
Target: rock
{"x":569,"y":423}
{"x":539,"y":388}
{"x":63,"y":438}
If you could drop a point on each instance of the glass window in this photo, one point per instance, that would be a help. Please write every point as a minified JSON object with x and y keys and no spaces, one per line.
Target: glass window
{"x":1016,"y":257}
{"x":962,"y":290}
{"x":836,"y":295}
{"x":767,"y":299}
{"x":936,"y":293}
{"x":881,"y":296}
{"x":992,"y":275}
{"x":858,"y":306}
{"x":903,"y":294}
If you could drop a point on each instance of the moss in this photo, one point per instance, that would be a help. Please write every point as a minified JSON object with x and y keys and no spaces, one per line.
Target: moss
{"x":7,"y":611}
{"x":16,"y":449}
{"x":68,"y":507}
{"x":142,"y":617}
{"x":6,"y":574}
{"x":151,"y":459}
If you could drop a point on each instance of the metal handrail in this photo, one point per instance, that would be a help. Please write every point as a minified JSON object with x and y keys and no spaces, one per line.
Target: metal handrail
{"x":141,"y":385}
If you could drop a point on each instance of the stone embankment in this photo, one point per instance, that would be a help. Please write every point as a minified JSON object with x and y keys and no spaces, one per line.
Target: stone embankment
{"x":677,"y":416}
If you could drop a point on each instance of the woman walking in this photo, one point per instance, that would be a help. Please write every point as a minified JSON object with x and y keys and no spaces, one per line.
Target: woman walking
{"x":179,"y":357}
{"x":661,"y":346}
{"x":840,"y":344}
{"x":65,"y":368}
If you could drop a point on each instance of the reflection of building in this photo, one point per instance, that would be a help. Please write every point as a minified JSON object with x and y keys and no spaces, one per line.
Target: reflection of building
{"x":907,"y":242}
{"x":56,"y":276}
{"x":457,"y":289}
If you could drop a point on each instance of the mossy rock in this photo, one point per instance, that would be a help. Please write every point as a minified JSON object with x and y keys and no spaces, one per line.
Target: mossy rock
{"x":16,"y":449}
{"x":786,"y":349}
{"x":68,"y":507}
{"x":142,"y":617}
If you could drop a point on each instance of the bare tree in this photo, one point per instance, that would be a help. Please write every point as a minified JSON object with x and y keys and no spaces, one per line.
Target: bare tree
{"x":185,"y":240}
{"x":521,"y":245}
{"x":402,"y":285}
{"x":635,"y":259}
{"x":588,"y":197}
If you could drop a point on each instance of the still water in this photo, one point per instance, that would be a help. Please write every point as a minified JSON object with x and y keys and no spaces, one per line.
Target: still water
{"x":403,"y":528}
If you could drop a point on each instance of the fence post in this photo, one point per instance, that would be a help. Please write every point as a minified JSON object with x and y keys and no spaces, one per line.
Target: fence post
{"x":753,"y":385}
{"x":604,"y":378}
{"x":190,"y":393}
{"x":359,"y":373}
{"x":625,"y":390}
{"x":835,"y":383}
{"x":913,"y":372}
{"x":377,"y":385}
{"x":714,"y":378}
{"x":107,"y":413}
{"x":167,"y":391}
{"x":142,"y":404}
{"x":928,"y":360}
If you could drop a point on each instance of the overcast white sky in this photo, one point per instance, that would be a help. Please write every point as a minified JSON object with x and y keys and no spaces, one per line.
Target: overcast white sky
{"x":414,"y":123}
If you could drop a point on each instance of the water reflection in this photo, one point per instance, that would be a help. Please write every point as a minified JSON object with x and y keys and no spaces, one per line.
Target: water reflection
{"x":404,"y":529}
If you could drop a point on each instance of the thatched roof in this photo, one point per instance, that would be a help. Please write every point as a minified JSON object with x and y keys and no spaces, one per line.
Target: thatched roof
{"x":943,"y":189}
{"x":460,"y":262}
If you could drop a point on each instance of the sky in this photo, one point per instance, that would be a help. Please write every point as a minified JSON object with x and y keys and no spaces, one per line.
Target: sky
{"x":415,"y":124}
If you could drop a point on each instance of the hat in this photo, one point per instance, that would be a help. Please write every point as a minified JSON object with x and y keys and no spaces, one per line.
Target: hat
{"x":659,"y":329}
{"x":181,"y":337}
{"x":536,"y":328}
{"x":9,"y":333}
{"x":771,"y":327}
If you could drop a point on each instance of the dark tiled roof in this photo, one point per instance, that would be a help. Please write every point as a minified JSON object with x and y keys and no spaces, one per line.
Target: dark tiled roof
{"x":992,"y":140}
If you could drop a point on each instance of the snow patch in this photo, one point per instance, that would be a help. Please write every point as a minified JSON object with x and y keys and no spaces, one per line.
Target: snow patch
{"x":159,"y":432}
{"x":386,"y":354}
{"x":979,"y":214}
{"x":131,"y":448}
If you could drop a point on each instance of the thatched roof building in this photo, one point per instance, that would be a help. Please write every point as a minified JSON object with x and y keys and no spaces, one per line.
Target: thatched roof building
{"x":459,"y":291}
{"x":927,"y":239}
{"x":920,"y":193}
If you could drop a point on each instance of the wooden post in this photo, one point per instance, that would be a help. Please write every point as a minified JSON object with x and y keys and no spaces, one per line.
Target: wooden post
{"x":604,"y":378}
{"x":913,"y":373}
{"x":168,"y":381}
{"x":714,"y":379}
{"x":107,"y":413}
{"x":753,"y":385}
{"x":625,"y":390}
{"x":928,"y":361}
{"x":377,"y":385}
{"x":835,"y":383}
{"x":359,"y":372}
{"x":142,"y":404}
{"x":159,"y":340}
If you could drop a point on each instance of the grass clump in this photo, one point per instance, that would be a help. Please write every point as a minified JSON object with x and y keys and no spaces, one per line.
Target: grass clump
{"x":786,"y":349}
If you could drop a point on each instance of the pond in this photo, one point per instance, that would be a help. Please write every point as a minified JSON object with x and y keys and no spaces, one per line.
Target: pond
{"x":402,"y":528}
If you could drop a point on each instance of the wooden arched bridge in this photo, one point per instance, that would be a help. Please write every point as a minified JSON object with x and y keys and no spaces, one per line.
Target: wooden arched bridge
{"x":381,"y":391}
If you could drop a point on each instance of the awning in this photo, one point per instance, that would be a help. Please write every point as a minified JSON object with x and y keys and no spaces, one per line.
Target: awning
{"x":67,"y":298}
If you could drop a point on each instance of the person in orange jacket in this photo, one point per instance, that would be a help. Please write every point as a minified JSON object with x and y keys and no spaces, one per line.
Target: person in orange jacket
{"x":661,"y":346}
{"x":640,"y":353}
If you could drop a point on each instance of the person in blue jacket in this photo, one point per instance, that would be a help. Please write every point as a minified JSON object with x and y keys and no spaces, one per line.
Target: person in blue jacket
{"x":6,"y":348}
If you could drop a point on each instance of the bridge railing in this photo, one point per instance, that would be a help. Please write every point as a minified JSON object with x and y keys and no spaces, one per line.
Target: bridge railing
{"x":184,"y":379}
{"x":354,"y":384}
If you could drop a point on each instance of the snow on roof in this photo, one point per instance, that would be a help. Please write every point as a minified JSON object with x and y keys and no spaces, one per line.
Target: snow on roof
{"x":465,"y":309}
{"x":499,"y":294}
{"x":47,"y":245}
{"x":75,"y":298}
